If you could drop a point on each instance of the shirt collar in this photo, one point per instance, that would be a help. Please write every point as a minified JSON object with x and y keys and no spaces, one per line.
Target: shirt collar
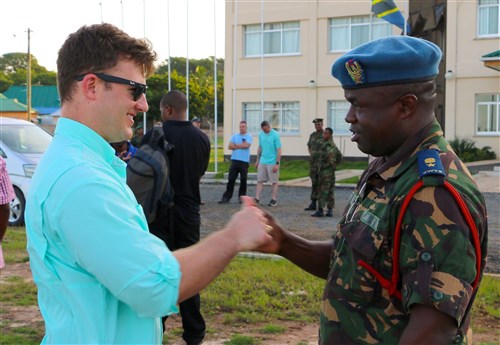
{"x":78,"y":131}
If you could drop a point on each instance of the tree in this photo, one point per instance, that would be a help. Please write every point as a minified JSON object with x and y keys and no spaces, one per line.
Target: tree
{"x":13,"y":71}
{"x":201,"y":84}
{"x":15,"y":68}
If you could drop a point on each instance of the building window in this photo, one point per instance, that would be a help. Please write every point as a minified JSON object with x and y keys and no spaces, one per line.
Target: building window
{"x":282,"y":116}
{"x":488,"y":114}
{"x":279,"y":39}
{"x":488,"y":13}
{"x":349,"y":32}
{"x":336,"y":117}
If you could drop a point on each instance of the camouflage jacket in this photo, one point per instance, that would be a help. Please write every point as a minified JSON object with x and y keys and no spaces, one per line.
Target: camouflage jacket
{"x":329,"y":157}
{"x":314,"y":145}
{"x":437,"y":257}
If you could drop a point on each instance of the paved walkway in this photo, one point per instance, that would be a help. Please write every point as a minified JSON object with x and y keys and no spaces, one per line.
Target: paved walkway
{"x":487,"y":180}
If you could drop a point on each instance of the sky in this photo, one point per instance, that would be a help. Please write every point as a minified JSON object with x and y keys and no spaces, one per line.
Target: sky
{"x":51,"y":21}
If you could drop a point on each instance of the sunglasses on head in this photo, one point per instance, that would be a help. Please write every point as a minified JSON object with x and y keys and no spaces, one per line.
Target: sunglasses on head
{"x":137,"y":88}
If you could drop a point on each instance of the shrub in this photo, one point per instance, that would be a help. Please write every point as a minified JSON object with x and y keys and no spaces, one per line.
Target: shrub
{"x":468,"y":152}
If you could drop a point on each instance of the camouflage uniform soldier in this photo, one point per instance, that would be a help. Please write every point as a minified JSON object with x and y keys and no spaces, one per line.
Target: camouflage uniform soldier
{"x":405,"y":264}
{"x":314,"y":148}
{"x":329,"y":157}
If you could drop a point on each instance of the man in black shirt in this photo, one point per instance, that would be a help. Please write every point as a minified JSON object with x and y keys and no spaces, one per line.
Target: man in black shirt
{"x":180,"y":228}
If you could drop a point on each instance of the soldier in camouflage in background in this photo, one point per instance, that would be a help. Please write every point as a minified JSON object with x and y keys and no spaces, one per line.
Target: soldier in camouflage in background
{"x":405,"y":263}
{"x":314,"y":148}
{"x":329,"y":157}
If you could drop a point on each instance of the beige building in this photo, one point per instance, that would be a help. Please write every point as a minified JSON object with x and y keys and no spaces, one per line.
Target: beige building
{"x":290,"y":84}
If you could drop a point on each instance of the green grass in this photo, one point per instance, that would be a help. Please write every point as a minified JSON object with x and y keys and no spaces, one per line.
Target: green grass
{"x":14,"y":245}
{"x":18,"y":292}
{"x":244,"y":292}
{"x":242,"y":340}
{"x":488,"y":298}
{"x":272,"y":329}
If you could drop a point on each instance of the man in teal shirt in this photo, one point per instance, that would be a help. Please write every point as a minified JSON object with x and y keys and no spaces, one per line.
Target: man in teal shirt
{"x":102,"y":278}
{"x":268,"y":161}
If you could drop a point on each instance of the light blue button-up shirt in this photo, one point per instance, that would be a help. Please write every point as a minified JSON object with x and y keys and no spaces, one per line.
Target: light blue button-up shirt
{"x":241,"y":154}
{"x":102,"y":278}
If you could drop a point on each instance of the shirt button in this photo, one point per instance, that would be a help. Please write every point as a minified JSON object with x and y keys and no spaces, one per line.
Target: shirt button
{"x":458,"y":339}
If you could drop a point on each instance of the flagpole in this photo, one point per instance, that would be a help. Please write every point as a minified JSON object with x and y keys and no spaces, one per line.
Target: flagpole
{"x":262,"y":58}
{"x":215,"y":85}
{"x":187,"y":59}
{"x":168,"y":45}
{"x":235,"y":32}
{"x":407,"y":15}
{"x":144,"y":116}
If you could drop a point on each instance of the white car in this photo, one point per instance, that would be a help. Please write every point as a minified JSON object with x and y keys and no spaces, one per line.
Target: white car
{"x":22,"y":144}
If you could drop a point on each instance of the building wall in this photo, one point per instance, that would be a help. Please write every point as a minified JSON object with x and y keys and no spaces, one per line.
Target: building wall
{"x":470,"y":76}
{"x":306,"y":77}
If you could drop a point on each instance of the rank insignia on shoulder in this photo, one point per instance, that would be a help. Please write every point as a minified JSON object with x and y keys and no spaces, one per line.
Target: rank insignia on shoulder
{"x":429,"y":163}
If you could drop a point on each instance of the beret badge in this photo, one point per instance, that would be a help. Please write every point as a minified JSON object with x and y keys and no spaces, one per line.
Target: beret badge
{"x":355,"y":70}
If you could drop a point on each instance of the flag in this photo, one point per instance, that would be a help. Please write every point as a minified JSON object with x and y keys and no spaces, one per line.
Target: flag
{"x":387,"y":10}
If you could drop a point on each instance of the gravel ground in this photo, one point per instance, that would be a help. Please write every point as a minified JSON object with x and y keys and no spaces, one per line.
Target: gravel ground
{"x":290,"y":212}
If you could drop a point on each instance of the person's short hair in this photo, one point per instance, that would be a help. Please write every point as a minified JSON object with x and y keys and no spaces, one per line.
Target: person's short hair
{"x":264,"y":123}
{"x":329,"y":130}
{"x":97,"y":48}
{"x":243,"y":121}
{"x":175,"y":99}
{"x":390,"y":60}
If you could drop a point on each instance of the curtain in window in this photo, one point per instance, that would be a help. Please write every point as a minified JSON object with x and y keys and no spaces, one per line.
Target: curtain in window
{"x":252,"y":115}
{"x":488,"y":114}
{"x":291,"y":118}
{"x":336,"y":117}
{"x":488,"y":17}
{"x":252,"y":40}
{"x":291,"y":42}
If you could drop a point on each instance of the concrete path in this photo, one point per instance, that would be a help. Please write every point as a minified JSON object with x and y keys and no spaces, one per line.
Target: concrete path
{"x":488,"y":181}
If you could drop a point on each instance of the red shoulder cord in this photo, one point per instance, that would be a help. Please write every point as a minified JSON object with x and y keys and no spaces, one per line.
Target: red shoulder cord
{"x":392,"y":285}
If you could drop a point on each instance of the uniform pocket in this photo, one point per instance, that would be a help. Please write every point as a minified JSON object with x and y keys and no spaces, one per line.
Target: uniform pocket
{"x":359,"y":241}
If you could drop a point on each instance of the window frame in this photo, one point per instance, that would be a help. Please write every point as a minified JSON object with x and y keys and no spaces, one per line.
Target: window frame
{"x":478,"y":28}
{"x":262,"y":31}
{"x":371,"y":22}
{"x":283,"y":109}
{"x":335,"y":121}
{"x":489,"y":104}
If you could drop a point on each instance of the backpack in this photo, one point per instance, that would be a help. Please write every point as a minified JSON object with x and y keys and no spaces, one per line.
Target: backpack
{"x":148,"y":175}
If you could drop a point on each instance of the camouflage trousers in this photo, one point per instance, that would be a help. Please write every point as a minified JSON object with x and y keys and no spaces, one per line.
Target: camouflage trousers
{"x":313,"y":174}
{"x":326,"y":190}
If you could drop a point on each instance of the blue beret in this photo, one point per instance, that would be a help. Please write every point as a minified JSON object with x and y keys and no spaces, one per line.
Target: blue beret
{"x":388,"y":61}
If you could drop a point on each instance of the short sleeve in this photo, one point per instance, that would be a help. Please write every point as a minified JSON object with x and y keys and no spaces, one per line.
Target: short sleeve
{"x":437,"y":258}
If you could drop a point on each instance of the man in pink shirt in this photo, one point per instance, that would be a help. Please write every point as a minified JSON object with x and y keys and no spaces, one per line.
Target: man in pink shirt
{"x":6,"y":196}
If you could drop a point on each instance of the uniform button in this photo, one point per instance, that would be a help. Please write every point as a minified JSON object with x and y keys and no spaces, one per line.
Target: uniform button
{"x":437,"y":295}
{"x":426,"y":256}
{"x":458,"y":339}
{"x":406,"y":290}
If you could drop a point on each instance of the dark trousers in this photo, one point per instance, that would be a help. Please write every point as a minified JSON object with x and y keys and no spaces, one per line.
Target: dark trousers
{"x":179,"y":230}
{"x":237,"y":167}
